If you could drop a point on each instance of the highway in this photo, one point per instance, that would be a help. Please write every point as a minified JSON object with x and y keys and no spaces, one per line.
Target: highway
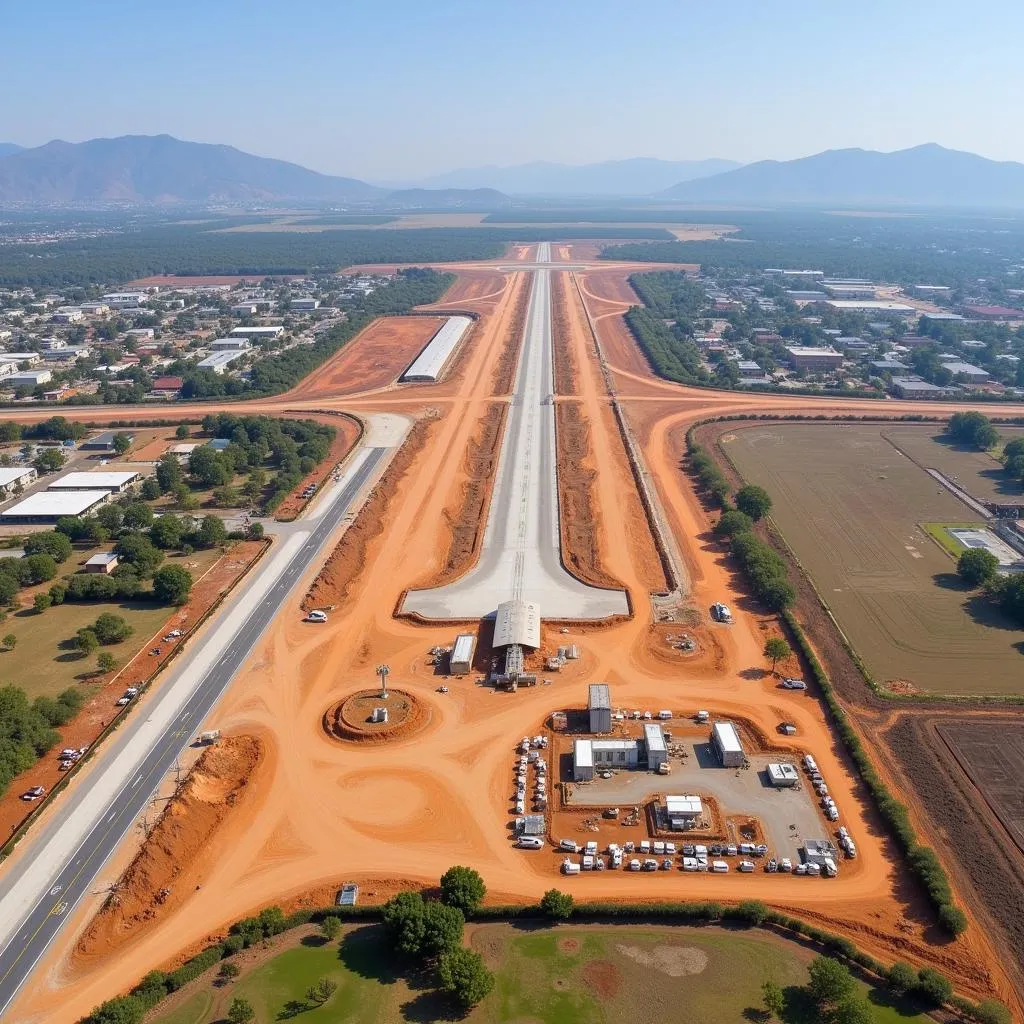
{"x":44,"y":888}
{"x":521,"y":553}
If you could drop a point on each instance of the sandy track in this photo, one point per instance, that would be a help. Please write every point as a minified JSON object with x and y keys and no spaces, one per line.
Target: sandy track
{"x":410,"y":809}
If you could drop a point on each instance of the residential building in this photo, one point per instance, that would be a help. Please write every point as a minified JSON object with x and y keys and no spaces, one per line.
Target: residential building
{"x":813,"y":359}
{"x":105,"y":562}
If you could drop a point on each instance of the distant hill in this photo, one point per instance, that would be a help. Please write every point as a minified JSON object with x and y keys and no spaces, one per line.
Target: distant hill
{"x":926,"y":175}
{"x":159,"y":168}
{"x":473,"y":199}
{"x":634,"y":177}
{"x":7,"y":148}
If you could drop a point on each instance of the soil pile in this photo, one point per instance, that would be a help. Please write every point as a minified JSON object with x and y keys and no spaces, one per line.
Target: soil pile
{"x":164,"y":871}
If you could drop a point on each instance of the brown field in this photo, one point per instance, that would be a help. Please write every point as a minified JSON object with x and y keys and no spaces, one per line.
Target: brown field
{"x":979,"y":473}
{"x":849,"y":505}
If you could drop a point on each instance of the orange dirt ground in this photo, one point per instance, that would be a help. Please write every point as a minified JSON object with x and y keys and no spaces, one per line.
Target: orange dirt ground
{"x":100,"y":710}
{"x":410,"y":809}
{"x":348,"y":432}
{"x":375,"y":358}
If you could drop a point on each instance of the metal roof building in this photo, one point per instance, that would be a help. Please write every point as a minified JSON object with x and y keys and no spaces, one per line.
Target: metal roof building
{"x":112,"y":482}
{"x":219,"y":361}
{"x":49,"y":506}
{"x":431,"y":362}
{"x":517,"y":622}
{"x":726,"y":741}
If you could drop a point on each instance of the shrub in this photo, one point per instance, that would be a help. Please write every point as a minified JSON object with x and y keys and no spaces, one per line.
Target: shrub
{"x":933,"y":987}
{"x":463,"y":974}
{"x":754,"y":501}
{"x":463,"y":888}
{"x":901,"y":977}
{"x":557,"y":905}
{"x":977,"y":566}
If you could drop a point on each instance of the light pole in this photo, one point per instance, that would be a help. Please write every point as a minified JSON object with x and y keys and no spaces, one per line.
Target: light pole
{"x":382,"y":671}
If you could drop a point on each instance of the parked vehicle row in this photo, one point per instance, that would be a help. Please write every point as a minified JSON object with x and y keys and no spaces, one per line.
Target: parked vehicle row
{"x":128,"y":696}
{"x":828,"y":805}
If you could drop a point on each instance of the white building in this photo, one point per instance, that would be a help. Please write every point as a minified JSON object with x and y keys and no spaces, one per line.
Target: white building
{"x":305,"y":305}
{"x":219,"y":361}
{"x":783,"y":774}
{"x":230,"y":345}
{"x":49,"y":506}
{"x":256,"y":332}
{"x":29,"y":378}
{"x":683,"y":812}
{"x":11,"y":479}
{"x":726,"y":741}
{"x":124,"y":300}
{"x":599,"y":705}
{"x":113,"y":482}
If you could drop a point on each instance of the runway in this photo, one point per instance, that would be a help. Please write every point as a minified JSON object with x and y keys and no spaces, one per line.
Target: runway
{"x":40,"y":894}
{"x":520,"y":556}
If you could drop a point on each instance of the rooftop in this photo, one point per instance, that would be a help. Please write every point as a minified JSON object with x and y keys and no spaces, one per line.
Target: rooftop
{"x":55,"y":503}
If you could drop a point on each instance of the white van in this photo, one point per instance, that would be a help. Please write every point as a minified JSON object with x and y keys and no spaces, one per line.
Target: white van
{"x":569,"y":844}
{"x":316,"y":616}
{"x":530,"y":843}
{"x":720,"y":867}
{"x":570,"y":867}
{"x":703,"y":716}
{"x":664,"y":715}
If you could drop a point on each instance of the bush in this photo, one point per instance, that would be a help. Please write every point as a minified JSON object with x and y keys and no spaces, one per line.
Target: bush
{"x":933,"y":987}
{"x":49,"y":542}
{"x":463,"y":888}
{"x":41,"y":602}
{"x":111,"y":629}
{"x":831,"y":982}
{"x":172,"y":584}
{"x":442,"y":928}
{"x":977,"y":566}
{"x":463,"y":974}
{"x":403,"y":922}
{"x":733,"y":521}
{"x":557,"y":905}
{"x":754,"y":501}
{"x":901,"y":977}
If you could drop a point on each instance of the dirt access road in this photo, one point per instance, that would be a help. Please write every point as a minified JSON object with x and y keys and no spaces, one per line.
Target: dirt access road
{"x":318,"y":812}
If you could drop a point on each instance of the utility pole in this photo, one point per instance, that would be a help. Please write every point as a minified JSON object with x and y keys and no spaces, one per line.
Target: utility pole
{"x":383,"y":671}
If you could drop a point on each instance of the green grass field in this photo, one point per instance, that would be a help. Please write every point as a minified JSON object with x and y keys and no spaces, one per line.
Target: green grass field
{"x":43,"y":663}
{"x":596,"y":974}
{"x":939,"y":533}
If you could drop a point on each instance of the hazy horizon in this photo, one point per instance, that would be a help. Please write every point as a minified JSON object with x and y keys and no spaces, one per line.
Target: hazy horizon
{"x":409,"y":92}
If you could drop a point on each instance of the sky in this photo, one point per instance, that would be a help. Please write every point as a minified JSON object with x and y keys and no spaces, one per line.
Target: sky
{"x":398,"y":90}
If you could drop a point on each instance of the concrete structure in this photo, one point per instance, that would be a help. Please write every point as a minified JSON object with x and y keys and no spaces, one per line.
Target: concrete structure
{"x":531,"y":825}
{"x":849,"y":291}
{"x":817,"y":851}
{"x":521,"y":553}
{"x":113,"y":482}
{"x":582,"y":760}
{"x":219,"y":361}
{"x":916,"y":387}
{"x":256,"y":332}
{"x":171,"y":385}
{"x":517,"y":622}
{"x":873,"y":306}
{"x":804,"y":275}
{"x":29,"y":378}
{"x":244,"y":309}
{"x":888,"y":366}
{"x":431,"y":363}
{"x":66,"y":353}
{"x":49,"y":506}
{"x":994,"y":312}
{"x":683,"y":812}
{"x":31,"y":358}
{"x":750,"y":370}
{"x":726,"y":741}
{"x":599,"y":705}
{"x":124,"y":300}
{"x":103,"y":442}
{"x":230,"y":345}
{"x":973,"y":374}
{"x":802,"y":295}
{"x":305,"y":305}
{"x":11,"y":479}
{"x":804,"y":358}
{"x":105,"y":562}
{"x":68,"y":315}
{"x":929,"y":290}
{"x":657,"y":749}
{"x":461,"y":659}
{"x":783,"y":774}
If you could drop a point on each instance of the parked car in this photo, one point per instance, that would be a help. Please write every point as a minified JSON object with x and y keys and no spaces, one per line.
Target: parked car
{"x":530,"y":843}
{"x":746,"y":865}
{"x":794,"y":684}
{"x":785,"y":864}
{"x":316,"y":616}
{"x":721,"y":612}
{"x":34,"y":793}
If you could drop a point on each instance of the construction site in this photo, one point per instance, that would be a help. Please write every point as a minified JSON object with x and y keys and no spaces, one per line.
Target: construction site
{"x":453,"y":569}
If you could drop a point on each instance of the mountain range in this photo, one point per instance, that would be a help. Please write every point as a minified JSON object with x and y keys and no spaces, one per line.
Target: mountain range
{"x":639,"y":176}
{"x":928,"y":175}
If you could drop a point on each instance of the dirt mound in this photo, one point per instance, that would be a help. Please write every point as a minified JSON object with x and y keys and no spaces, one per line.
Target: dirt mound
{"x":603,"y":977}
{"x":165,"y":870}
{"x":347,"y":560}
{"x":675,"y":961}
{"x":505,"y":371}
{"x":349,"y":719}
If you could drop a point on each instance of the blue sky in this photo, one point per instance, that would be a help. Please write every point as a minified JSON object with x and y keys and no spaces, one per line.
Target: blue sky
{"x":392,"y":88}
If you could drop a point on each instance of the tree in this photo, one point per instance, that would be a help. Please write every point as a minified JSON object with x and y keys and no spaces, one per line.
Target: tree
{"x":901,"y":977}
{"x":39,"y":568}
{"x":86,"y":641}
{"x":111,"y":629}
{"x":754,"y":501}
{"x":122,"y":442}
{"x":463,"y":888}
{"x":322,"y":990}
{"x":49,"y":460}
{"x":41,"y":602}
{"x":777,"y":594}
{"x":330,"y":926}
{"x":138,"y":516}
{"x":976,"y":566}
{"x":773,"y":998}
{"x":775,"y":650}
{"x":733,"y":521}
{"x":831,"y":982}
{"x":986,"y":436}
{"x":990,"y":1011}
{"x":169,"y":474}
{"x":181,"y":433}
{"x":167,"y":532}
{"x":972,"y":428}
{"x":138,"y":551}
{"x":229,"y":970}
{"x":403,"y":922}
{"x":853,"y":1011}
{"x":241,"y":1011}
{"x":933,"y":987}
{"x":557,"y":905}
{"x":106,"y":662}
{"x":9,"y":642}
{"x":442,"y":928}
{"x":150,"y":489}
{"x":254,"y":531}
{"x":211,"y":532}
{"x":463,"y":974}
{"x":49,"y":542}
{"x":172,"y":584}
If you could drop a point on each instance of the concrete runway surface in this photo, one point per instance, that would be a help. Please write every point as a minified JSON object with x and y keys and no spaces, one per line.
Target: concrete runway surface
{"x":46,"y":884}
{"x":521,"y":553}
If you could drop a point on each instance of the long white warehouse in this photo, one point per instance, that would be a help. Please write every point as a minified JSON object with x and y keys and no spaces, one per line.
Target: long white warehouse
{"x":431,"y":362}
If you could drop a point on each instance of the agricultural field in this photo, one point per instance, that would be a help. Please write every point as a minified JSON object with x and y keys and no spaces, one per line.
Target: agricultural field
{"x":850,"y":505}
{"x":566,"y":975}
{"x":979,"y":473}
{"x":994,"y":761}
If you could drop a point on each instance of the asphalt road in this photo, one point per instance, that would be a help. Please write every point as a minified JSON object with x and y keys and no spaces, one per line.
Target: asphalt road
{"x":73,"y":880}
{"x":521,"y":554}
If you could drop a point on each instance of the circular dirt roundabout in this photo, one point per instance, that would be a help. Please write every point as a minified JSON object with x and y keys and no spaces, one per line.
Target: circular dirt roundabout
{"x":352,"y":717}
